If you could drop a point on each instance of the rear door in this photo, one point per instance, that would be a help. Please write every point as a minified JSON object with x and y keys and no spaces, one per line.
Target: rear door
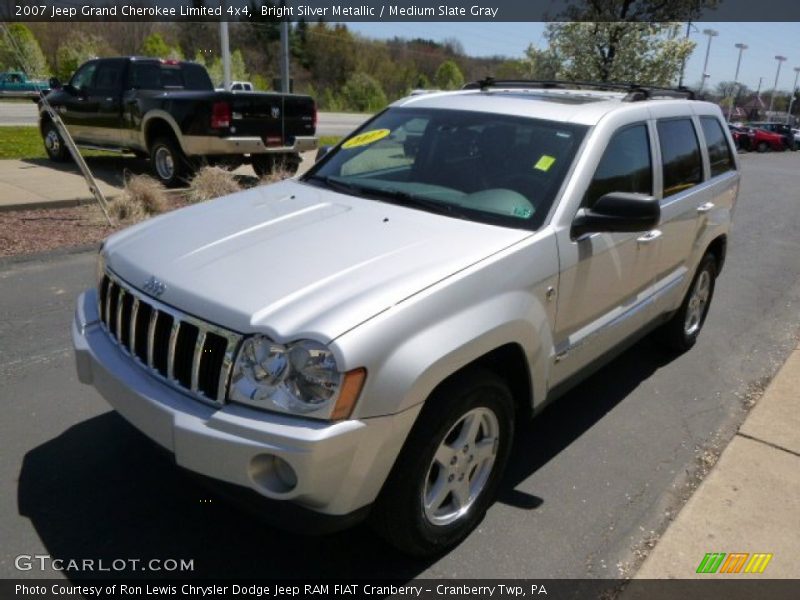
{"x":105,"y":95}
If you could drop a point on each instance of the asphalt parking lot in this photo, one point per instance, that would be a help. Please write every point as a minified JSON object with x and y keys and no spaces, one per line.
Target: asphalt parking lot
{"x":594,"y":480}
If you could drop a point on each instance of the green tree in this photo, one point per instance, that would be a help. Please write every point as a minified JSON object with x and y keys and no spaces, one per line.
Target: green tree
{"x":448,"y":76}
{"x":541,"y":64}
{"x":363,"y":93}
{"x":76,"y":50}
{"x":651,"y":53}
{"x":20,"y":50}
{"x":154,"y":45}
{"x":215,"y":71}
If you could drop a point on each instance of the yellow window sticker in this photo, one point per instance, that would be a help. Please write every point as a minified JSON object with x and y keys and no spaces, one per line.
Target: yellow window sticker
{"x":545,"y":162}
{"x":366,"y":138}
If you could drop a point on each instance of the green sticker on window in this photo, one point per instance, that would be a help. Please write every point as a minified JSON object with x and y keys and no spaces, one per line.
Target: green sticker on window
{"x":523,"y":212}
{"x":545,"y":162}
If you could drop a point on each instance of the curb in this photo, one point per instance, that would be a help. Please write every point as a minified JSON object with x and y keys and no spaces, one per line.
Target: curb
{"x":15,"y":259}
{"x":43,"y":204}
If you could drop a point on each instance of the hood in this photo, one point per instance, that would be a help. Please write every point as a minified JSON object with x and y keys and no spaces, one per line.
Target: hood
{"x":292,"y":260}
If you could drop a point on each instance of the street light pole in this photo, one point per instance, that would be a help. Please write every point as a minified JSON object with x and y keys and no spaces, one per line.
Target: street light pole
{"x":780,"y":60}
{"x":711,"y":33}
{"x":794,"y":93}
{"x":742,"y":48}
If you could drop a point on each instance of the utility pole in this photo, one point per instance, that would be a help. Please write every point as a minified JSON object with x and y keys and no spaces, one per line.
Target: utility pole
{"x":794,"y":94}
{"x":742,"y":48}
{"x":226,"y":55}
{"x":780,"y":60}
{"x":711,"y":33}
{"x":285,"y":56}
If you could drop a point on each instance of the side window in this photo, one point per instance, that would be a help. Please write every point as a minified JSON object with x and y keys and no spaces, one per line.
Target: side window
{"x":682,"y":165}
{"x":146,"y":76}
{"x":719,"y":152}
{"x":625,"y":167}
{"x":82,"y":80}
{"x":108,"y":80}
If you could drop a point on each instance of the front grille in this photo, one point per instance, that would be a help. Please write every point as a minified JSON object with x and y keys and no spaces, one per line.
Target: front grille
{"x":189,"y":354}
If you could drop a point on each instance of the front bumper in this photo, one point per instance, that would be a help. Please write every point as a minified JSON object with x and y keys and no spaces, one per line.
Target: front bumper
{"x":340,"y":467}
{"x":202,"y":145}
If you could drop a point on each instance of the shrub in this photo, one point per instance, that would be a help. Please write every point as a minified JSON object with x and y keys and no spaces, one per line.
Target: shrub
{"x":363,"y":93}
{"x":212,"y":182}
{"x":142,"y":197}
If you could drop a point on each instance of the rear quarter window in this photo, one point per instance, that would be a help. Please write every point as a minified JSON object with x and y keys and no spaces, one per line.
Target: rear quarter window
{"x":719,"y":152}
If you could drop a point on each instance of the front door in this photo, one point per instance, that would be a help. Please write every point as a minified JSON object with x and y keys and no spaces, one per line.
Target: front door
{"x":606,"y":278}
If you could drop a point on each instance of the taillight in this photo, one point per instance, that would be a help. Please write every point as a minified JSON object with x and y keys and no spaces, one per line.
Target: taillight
{"x":315,"y":116}
{"x":220,"y":115}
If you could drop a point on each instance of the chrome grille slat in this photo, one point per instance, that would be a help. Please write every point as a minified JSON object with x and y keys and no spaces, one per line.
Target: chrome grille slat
{"x":120,"y":300}
{"x":173,"y":338}
{"x":132,"y":327}
{"x":187,"y":339}
{"x":151,"y":338}
{"x":225,"y":371}
{"x":196,"y":357}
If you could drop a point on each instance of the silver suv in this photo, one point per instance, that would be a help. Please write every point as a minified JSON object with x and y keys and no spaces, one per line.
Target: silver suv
{"x":364,"y":339}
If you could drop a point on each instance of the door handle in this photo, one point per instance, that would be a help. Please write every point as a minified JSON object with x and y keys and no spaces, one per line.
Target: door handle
{"x":650,"y":236}
{"x":704,"y":208}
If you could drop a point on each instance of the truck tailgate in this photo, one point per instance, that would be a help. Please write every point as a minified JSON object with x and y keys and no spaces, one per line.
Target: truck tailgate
{"x":278,"y":119}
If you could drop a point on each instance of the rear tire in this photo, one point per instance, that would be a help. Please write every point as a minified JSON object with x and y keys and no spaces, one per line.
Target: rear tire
{"x":450,"y":467}
{"x":267,"y":164}
{"x":168,"y":162}
{"x":681,"y":332}
{"x":53,"y":143}
{"x":762,"y":147}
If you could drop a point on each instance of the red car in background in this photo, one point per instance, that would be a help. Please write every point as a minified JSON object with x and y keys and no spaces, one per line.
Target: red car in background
{"x":762,"y":140}
{"x":742,"y":138}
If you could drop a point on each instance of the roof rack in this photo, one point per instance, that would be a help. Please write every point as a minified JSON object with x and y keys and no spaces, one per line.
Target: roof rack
{"x":635,"y":92}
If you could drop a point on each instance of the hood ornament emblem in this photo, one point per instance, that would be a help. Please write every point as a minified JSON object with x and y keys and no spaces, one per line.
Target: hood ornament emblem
{"x":154,"y":286}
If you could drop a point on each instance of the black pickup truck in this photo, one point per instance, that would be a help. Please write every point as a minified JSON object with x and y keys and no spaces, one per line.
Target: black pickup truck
{"x":169,"y":111}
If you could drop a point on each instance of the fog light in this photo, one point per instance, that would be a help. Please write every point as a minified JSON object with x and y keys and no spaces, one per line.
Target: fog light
{"x":273,"y":474}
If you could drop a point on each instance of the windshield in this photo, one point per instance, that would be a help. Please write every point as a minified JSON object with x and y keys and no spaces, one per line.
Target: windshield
{"x":485,"y":167}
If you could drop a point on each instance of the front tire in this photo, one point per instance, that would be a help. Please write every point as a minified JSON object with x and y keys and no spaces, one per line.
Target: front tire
{"x":168,"y":162}
{"x":448,"y":471}
{"x":53,"y":143}
{"x":681,"y":332}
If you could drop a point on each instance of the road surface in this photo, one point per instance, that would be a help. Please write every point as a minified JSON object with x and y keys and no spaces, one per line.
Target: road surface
{"x":594,"y":475}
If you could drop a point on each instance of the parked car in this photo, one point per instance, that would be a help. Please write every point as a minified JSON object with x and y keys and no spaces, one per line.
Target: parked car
{"x":796,"y":134}
{"x":742,"y":137}
{"x":781,"y":129}
{"x":238,"y":86}
{"x":763,"y":140}
{"x":168,"y":111}
{"x":15,"y":84}
{"x":363,"y":341}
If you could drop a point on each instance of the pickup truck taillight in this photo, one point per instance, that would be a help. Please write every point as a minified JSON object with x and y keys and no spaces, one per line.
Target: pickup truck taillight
{"x":315,"y":117}
{"x":220,"y":115}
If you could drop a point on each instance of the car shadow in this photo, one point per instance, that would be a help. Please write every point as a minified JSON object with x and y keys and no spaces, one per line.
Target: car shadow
{"x":102,"y":490}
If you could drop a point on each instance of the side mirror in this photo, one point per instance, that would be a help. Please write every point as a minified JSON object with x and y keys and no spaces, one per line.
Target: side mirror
{"x":54,"y":83}
{"x":323,"y":150}
{"x":618,"y":212}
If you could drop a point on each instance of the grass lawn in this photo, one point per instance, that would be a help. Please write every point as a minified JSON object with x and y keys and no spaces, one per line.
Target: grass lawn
{"x":21,"y":142}
{"x":329,"y":140}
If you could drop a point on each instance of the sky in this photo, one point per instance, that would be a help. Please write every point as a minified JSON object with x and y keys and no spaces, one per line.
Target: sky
{"x":764,"y":40}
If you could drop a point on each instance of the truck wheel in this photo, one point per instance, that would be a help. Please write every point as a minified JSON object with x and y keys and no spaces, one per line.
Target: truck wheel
{"x":448,"y":471}
{"x":54,"y":143}
{"x":168,"y":162}
{"x":681,"y":331}
{"x":267,"y":164}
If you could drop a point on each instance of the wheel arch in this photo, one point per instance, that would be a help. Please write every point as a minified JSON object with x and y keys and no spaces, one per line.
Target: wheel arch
{"x":719,"y":248}
{"x":158,"y":124}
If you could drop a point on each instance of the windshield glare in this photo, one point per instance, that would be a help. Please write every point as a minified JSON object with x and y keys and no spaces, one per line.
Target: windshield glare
{"x":482,"y":166}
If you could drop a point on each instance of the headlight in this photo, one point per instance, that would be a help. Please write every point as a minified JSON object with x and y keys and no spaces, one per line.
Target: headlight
{"x":299,"y":378}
